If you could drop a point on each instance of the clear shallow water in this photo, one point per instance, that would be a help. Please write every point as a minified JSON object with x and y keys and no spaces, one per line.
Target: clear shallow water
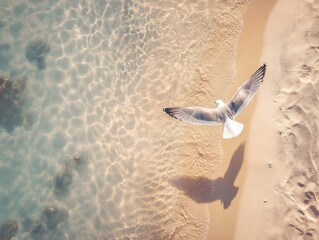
{"x":94,"y":90}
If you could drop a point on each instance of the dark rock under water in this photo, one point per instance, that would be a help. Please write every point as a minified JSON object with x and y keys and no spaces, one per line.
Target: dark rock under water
{"x":36,"y":51}
{"x":4,"y":47}
{"x":54,"y":215}
{"x":2,"y":24}
{"x":11,"y":102}
{"x":8,"y":230}
{"x":62,"y":181}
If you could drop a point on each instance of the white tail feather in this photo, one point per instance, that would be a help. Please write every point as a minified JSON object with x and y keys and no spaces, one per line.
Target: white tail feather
{"x":232,"y":128}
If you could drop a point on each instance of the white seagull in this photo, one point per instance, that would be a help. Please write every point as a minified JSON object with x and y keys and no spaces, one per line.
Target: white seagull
{"x":224,"y":113}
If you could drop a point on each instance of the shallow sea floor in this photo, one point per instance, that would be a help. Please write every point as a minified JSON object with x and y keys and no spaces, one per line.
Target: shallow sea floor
{"x":85,"y":149}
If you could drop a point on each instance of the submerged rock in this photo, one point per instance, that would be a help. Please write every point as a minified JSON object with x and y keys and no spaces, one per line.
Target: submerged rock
{"x":44,"y":225}
{"x":63,"y":181}
{"x":19,"y":85}
{"x":3,"y":83}
{"x":77,"y":162}
{"x":41,"y":65}
{"x":10,"y":102}
{"x":8,"y":230}
{"x":77,"y":159}
{"x":2,"y":24}
{"x":37,"y":230}
{"x":36,"y":51}
{"x":54,"y":215}
{"x":4,"y":47}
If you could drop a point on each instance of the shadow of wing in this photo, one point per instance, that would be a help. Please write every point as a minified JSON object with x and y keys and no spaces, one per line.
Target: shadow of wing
{"x":205,"y":190}
{"x":235,"y":165}
{"x":200,"y":189}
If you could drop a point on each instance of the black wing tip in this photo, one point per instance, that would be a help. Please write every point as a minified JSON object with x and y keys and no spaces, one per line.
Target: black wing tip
{"x":260,"y":73}
{"x":170,"y":112}
{"x":264,"y":66}
{"x":167,"y":110}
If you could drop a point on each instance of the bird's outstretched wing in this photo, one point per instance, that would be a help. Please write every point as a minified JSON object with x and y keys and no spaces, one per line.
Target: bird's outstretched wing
{"x":196,"y":115}
{"x":246,"y":92}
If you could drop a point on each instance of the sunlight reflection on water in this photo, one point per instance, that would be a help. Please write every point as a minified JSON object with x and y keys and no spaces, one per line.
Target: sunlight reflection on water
{"x":97,"y":94}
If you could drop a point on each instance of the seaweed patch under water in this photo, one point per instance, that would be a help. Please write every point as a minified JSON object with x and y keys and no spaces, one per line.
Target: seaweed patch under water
{"x":36,"y":51}
{"x":45,"y":225}
{"x":62,"y":182}
{"x":8,"y":230}
{"x":4,"y":47}
{"x":2,"y":24}
{"x":10,"y":102}
{"x":54,"y":215}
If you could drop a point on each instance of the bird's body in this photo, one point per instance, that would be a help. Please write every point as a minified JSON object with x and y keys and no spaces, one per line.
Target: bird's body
{"x":225,"y":113}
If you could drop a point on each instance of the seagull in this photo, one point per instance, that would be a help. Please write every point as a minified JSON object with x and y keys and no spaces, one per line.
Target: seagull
{"x":224,"y":113}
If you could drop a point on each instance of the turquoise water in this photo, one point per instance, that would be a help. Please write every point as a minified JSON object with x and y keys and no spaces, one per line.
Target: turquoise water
{"x":85,"y":150}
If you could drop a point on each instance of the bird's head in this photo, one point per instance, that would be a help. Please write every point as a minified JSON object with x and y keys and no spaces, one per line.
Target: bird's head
{"x":219,"y":103}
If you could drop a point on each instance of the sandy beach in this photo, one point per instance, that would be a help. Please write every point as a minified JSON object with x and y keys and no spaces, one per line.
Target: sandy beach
{"x":87,"y":152}
{"x":279,"y":196}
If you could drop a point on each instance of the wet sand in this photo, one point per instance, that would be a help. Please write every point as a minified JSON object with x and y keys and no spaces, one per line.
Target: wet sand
{"x":98,"y":94}
{"x":223,"y":221}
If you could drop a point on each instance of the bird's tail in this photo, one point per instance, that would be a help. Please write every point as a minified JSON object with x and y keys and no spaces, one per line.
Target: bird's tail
{"x":232,"y":128}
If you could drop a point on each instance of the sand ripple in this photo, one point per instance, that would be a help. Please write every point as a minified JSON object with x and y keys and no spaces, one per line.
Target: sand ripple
{"x":298,"y":193}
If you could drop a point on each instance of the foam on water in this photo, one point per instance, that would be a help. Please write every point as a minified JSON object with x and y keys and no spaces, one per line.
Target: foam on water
{"x":112,"y":67}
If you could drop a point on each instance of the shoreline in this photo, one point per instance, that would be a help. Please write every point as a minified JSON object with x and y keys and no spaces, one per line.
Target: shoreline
{"x":249,"y":51}
{"x":255,"y":211}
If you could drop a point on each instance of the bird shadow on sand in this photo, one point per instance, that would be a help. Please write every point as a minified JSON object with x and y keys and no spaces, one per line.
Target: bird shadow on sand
{"x":204,"y":190}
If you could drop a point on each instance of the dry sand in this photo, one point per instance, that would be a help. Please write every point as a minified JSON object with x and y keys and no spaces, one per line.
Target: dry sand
{"x":280,"y":195}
